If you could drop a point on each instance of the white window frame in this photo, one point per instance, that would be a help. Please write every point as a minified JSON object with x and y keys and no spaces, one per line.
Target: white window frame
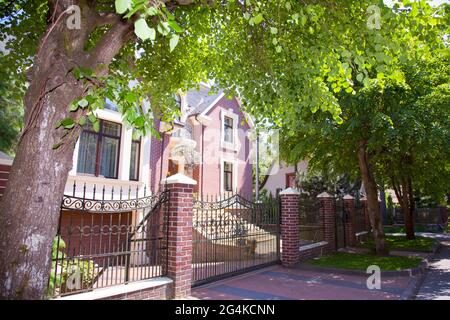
{"x":234,"y":163}
{"x":124,"y":155}
{"x":225,"y":144}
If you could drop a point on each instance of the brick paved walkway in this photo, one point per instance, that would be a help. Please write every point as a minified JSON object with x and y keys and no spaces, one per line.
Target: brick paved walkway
{"x":279,"y":283}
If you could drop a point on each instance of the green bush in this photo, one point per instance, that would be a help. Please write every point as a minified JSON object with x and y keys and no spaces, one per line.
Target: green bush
{"x":62,"y":268}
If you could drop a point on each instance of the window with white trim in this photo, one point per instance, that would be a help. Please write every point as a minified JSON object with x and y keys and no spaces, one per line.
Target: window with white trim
{"x":98,"y":153}
{"x":227,"y":176}
{"x":229,"y":129}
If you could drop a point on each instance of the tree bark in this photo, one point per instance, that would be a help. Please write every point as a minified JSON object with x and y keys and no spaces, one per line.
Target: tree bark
{"x":30,"y":207}
{"x":404,"y":195}
{"x":373,"y":206}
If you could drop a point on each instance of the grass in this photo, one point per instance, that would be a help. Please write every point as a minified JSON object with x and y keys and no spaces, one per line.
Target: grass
{"x":357,"y":261}
{"x":401,"y":243}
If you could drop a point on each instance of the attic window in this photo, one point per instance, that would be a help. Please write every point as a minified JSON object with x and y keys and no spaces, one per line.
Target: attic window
{"x":228,"y":129}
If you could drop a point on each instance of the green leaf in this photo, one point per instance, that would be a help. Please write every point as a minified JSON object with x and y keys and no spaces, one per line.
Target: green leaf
{"x":82,"y":121}
{"x":96,"y":126}
{"x":163,"y":28}
{"x":83,"y":103}
{"x":273,"y":30}
{"x":142,"y":30}
{"x":67,"y":123}
{"x":278,"y":49}
{"x":122,"y":6}
{"x":174,"y":41}
{"x":92,"y":118}
{"x":258,"y":18}
{"x":175,"y":27}
{"x":131,"y":97}
{"x":73,"y":106}
{"x":152,"y":11}
{"x":360,"y":77}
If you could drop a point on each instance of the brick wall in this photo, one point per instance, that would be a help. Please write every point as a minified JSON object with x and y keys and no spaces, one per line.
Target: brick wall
{"x":328,"y":211}
{"x":156,"y":293}
{"x":314,"y":251}
{"x":349,"y":205}
{"x":179,"y":246}
{"x":289,"y":227}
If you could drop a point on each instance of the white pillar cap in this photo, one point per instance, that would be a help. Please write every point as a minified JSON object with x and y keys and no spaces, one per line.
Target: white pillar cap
{"x":178,"y":178}
{"x":324,"y":195}
{"x":289,"y":191}
{"x":349,"y":197}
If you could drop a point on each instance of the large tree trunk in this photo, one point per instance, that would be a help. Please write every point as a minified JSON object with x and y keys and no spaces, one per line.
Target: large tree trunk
{"x":30,"y":207}
{"x":373,"y":206}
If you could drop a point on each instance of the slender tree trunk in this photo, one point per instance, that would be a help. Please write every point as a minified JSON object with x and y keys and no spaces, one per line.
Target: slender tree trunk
{"x":404,"y":195}
{"x":409,"y":209}
{"x":373,"y":206}
{"x":30,"y":207}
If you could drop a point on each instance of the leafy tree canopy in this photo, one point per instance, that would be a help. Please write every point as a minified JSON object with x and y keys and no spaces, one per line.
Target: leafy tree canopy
{"x":286,"y":59}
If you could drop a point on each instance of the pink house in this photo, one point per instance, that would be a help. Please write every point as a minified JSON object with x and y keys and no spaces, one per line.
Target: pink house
{"x":209,"y":143}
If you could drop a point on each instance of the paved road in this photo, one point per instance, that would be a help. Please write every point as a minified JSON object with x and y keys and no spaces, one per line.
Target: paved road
{"x":436,"y":285}
{"x":279,"y":283}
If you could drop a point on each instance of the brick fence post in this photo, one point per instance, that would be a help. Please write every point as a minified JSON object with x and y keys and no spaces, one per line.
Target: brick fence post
{"x":290,"y":253}
{"x":444,"y":215}
{"x":366,"y":214}
{"x":179,"y":246}
{"x":328,"y":211}
{"x":349,"y":205}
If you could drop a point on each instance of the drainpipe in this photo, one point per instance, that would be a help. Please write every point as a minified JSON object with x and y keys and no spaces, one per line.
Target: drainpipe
{"x":203,"y":153}
{"x":257,"y":165}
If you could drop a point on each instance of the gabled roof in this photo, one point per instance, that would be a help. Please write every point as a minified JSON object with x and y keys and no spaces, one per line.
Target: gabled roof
{"x":199,"y":101}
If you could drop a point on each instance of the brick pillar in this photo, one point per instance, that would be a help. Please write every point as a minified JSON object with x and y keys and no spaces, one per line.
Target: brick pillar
{"x":179,"y":264}
{"x":444,"y":215}
{"x":290,"y":253}
{"x":327,"y":210}
{"x":349,"y":205}
{"x":366,"y":214}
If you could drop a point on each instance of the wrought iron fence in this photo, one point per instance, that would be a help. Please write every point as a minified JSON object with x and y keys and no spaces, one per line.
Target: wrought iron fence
{"x":103,"y":242}
{"x":341,"y":217}
{"x":311,"y":228}
{"x":360,"y":216}
{"x":232,"y":235}
{"x":424,"y":216}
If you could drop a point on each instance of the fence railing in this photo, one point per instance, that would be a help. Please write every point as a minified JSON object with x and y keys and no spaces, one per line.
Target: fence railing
{"x":311,"y":227}
{"x":101,"y":242}
{"x":426,"y":216}
{"x":359,"y":216}
{"x":232,"y":234}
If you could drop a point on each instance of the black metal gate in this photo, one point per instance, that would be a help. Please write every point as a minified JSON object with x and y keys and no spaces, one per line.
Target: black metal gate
{"x":233,"y":236}
{"x":102,"y":242}
{"x":340,"y":218}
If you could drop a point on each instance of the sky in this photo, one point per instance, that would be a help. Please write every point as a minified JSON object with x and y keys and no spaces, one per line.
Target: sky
{"x":432,"y":2}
